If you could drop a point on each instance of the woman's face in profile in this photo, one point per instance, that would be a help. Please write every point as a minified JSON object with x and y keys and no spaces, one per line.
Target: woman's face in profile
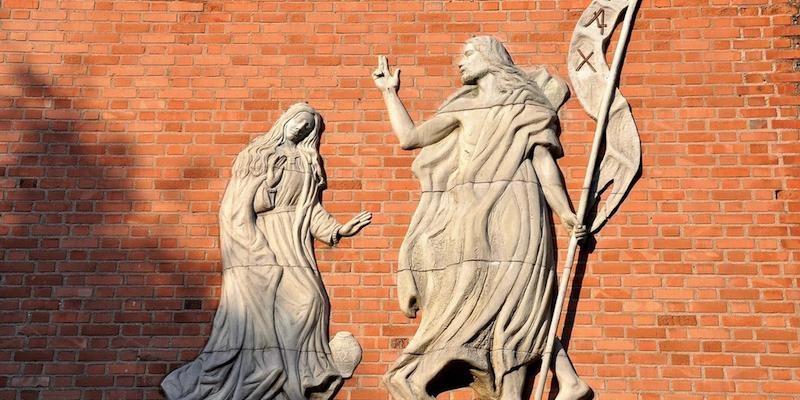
{"x":298,"y":127}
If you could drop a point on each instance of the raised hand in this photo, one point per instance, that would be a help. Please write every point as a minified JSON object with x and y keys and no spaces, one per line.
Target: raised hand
{"x":275,"y":171}
{"x":383,"y":78}
{"x":355,"y":225}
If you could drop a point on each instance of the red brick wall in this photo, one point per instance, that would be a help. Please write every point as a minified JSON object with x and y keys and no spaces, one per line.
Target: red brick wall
{"x":119,"y":121}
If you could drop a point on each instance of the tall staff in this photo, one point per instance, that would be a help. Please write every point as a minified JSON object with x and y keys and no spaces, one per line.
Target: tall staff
{"x":621,"y":159}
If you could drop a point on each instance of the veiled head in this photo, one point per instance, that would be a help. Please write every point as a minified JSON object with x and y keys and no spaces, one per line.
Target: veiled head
{"x":298,"y":127}
{"x":300,"y":124}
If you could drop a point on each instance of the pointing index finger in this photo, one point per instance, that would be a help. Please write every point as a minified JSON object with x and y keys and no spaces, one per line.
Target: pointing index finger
{"x":383,"y":63}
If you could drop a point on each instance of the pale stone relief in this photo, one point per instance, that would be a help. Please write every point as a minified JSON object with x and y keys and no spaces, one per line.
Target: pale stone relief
{"x":593,"y":81}
{"x":270,"y":334}
{"x":479,"y":255}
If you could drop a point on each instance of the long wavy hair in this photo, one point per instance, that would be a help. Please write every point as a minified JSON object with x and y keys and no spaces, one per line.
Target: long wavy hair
{"x":510,"y":77}
{"x":254,"y":158}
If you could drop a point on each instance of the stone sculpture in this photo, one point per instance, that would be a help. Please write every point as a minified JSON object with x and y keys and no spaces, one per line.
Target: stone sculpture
{"x":478,"y":257}
{"x":270,"y":334}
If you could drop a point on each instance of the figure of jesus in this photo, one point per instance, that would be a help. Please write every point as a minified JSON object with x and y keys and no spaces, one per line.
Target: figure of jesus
{"x":479,"y":255}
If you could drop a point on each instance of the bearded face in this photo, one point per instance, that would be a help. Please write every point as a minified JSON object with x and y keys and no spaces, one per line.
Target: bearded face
{"x":473,"y":65}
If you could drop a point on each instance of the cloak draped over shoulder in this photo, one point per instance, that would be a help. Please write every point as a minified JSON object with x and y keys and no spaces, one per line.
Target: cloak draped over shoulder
{"x":479,"y":249}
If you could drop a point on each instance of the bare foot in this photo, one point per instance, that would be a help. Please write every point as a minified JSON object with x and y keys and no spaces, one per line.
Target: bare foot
{"x":578,"y":390}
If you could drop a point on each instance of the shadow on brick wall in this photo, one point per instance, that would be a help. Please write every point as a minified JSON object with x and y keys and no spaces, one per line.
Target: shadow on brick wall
{"x":89,"y":297}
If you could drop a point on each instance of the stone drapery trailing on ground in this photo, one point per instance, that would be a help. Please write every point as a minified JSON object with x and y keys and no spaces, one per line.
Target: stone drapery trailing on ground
{"x":270,"y":334}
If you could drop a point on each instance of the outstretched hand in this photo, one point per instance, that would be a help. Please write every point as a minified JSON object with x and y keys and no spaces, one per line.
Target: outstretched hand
{"x":356,"y":224}
{"x":383,"y":78}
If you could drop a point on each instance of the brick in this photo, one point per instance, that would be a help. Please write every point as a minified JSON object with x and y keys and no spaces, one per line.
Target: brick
{"x":30,"y":381}
{"x":120,"y":125}
{"x":33,"y":355}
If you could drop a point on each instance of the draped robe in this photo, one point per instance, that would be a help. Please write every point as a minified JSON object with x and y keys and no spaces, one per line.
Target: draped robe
{"x":270,"y":334}
{"x":479,"y":249}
